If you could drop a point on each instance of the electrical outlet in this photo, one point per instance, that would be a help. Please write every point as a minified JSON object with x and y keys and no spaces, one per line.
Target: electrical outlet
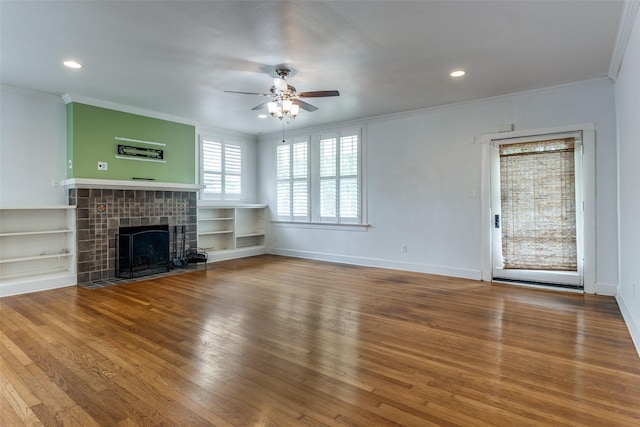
{"x":103,"y":166}
{"x":70,"y":164}
{"x":404,"y":249}
{"x":55,"y":183}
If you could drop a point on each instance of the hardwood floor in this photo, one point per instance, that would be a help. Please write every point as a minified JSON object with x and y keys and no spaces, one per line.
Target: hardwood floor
{"x":276,"y":341}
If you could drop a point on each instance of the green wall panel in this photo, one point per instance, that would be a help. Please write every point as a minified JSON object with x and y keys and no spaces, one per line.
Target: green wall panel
{"x":91,"y":138}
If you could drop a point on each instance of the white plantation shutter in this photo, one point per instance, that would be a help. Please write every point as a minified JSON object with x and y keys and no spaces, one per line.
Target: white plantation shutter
{"x":283,"y":174}
{"x":233,"y":171}
{"x":292,"y":164}
{"x":349,"y":178}
{"x":211,"y":168}
{"x":320,"y":183}
{"x":328,"y":178}
{"x":340,"y":178}
{"x":221,"y":169}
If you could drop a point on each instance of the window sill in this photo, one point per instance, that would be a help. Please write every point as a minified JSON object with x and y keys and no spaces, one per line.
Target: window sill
{"x":321,"y":225}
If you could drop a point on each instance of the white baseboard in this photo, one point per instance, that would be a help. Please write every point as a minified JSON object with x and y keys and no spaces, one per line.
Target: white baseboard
{"x":633,"y":323}
{"x":37,"y":284}
{"x":606,"y":289}
{"x":380,"y":263}
{"x":235,"y":253}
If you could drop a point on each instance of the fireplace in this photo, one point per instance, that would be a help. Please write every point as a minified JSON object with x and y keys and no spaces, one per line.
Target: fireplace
{"x":101,"y":213}
{"x":142,"y":251}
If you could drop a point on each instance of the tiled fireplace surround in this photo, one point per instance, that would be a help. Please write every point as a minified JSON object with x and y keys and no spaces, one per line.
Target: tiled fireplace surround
{"x":101,"y":212}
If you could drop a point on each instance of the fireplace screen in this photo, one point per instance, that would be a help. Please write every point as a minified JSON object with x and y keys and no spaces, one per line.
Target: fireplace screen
{"x":142,"y":251}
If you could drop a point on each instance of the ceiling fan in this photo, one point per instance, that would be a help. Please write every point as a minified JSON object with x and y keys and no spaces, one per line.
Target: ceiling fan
{"x":285,"y":99}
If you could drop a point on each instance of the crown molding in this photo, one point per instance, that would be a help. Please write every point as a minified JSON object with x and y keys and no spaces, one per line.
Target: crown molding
{"x":69,"y":98}
{"x":627,"y":19}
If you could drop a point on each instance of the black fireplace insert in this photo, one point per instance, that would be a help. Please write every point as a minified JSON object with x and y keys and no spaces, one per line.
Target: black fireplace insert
{"x":141,"y":251}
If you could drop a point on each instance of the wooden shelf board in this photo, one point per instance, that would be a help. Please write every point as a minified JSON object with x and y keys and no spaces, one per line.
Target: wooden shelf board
{"x":35,"y":257}
{"x":35,"y":233}
{"x":210,"y":233}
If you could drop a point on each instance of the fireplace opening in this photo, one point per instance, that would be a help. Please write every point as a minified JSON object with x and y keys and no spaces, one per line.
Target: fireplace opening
{"x":141,"y":251}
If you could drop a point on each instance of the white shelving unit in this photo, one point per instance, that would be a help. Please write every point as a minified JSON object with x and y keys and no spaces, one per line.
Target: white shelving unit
{"x":37,"y":249}
{"x":228,"y":232}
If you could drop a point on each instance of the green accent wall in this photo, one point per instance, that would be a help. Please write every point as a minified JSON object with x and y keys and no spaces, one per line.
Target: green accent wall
{"x":91,"y":138}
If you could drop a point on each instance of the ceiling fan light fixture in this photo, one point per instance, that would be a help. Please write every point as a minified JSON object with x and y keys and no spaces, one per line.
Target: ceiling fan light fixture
{"x":286,"y":106}
{"x":295,"y":109}
{"x":273,"y":108}
{"x":285,"y":100}
{"x":458,"y":73}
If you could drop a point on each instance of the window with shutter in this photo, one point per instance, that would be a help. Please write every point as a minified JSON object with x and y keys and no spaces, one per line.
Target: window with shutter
{"x":331,"y":172}
{"x":221,"y":169}
{"x":339,"y":178}
{"x":292,"y":164}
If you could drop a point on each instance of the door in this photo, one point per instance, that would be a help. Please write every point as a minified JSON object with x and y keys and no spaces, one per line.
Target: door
{"x":537,"y":209}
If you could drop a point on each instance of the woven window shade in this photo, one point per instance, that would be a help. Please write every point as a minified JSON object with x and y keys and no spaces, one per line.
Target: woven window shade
{"x":537,"y":186}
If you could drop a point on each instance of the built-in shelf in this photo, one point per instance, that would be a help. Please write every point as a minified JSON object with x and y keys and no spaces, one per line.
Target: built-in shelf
{"x":208,"y":233}
{"x":227,"y":232}
{"x":37,"y":248}
{"x":32,"y":233}
{"x":34,"y":257}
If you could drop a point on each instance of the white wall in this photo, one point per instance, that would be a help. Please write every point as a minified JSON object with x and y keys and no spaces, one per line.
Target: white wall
{"x":32,"y":148}
{"x":627,"y":92}
{"x":423,"y":169}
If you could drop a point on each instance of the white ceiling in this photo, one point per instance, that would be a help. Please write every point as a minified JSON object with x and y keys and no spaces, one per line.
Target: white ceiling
{"x":384,"y":57}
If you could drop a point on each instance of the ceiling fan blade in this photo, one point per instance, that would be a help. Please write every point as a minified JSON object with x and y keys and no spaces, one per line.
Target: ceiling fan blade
{"x":318,"y":94}
{"x":260,"y":106}
{"x":305,"y":105}
{"x":248,"y":93}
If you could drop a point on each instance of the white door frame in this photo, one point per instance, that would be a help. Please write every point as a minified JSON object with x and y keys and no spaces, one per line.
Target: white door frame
{"x":589,"y":189}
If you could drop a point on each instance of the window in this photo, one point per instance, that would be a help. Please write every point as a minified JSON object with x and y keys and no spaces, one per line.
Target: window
{"x":320,"y":183}
{"x":221,"y":169}
{"x":339,"y":178}
{"x":292,"y":171}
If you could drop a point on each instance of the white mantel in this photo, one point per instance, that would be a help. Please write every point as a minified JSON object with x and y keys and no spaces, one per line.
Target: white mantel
{"x":128,"y":185}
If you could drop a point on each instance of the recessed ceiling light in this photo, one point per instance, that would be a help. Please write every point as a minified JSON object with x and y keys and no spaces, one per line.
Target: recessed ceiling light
{"x":458,"y":73}
{"x":262,"y":116}
{"x":72,"y":64}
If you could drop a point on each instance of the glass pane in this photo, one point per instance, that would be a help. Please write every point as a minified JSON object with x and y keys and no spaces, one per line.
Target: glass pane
{"x":349,"y":198}
{"x":328,"y":203}
{"x":328,"y":157}
{"x":300,"y":160}
{"x":300,"y":198}
{"x":284,"y":199}
{"x":349,"y":155}
{"x":537,"y":191}
{"x":232,"y":184}
{"x":213,"y":183}
{"x":232,"y":159}
{"x":283,"y":161}
{"x":212,"y":156}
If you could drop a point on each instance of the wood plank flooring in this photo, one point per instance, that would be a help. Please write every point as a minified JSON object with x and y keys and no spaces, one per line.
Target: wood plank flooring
{"x":276,"y":341}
